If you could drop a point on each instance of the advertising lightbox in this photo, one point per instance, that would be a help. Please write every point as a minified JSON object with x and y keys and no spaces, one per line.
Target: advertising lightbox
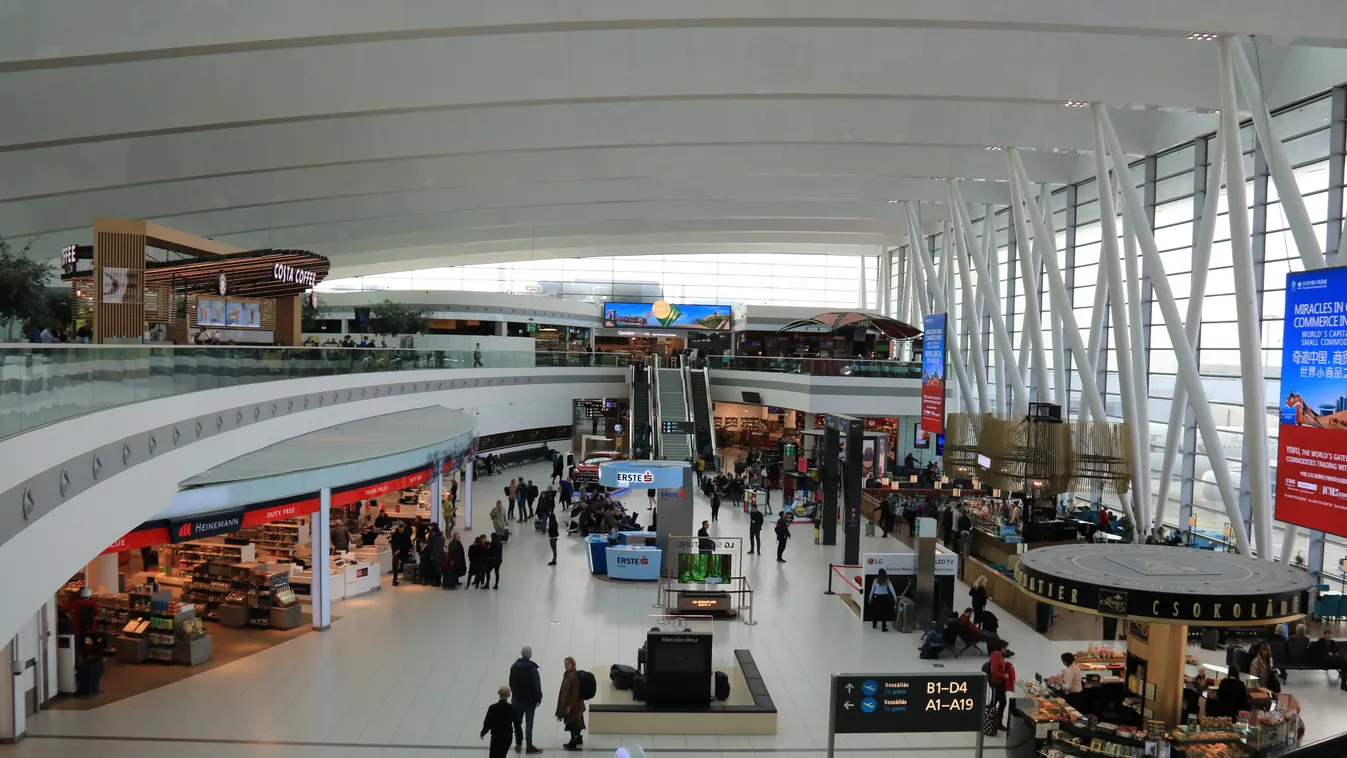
{"x":667,"y":315}
{"x":1312,"y":438}
{"x":933,"y":374}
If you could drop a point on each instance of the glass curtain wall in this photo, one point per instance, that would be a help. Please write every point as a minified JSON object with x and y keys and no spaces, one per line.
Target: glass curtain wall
{"x":828,"y":281}
{"x":1172,"y":183}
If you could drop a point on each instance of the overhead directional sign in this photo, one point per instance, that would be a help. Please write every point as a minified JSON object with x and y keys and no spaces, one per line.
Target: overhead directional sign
{"x":679,"y":427}
{"x":884,"y":703}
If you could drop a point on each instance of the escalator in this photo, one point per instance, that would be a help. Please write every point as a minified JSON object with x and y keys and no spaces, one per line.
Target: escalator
{"x":673,"y":406}
{"x":699,"y":394}
{"x":642,"y":435}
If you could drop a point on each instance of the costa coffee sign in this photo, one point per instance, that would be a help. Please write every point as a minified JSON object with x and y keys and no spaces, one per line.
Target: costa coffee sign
{"x":291,"y":275}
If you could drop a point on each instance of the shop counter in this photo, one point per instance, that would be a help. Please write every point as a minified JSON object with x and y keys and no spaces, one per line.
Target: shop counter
{"x":302,"y":583}
{"x":598,"y":553}
{"x":379,"y":555}
{"x":359,"y":578}
{"x":633,"y":564}
{"x":636,"y":539}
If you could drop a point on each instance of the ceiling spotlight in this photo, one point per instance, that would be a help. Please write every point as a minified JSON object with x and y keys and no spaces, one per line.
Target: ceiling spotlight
{"x":1076,"y":104}
{"x":894,"y":201}
{"x":993,"y":147}
{"x":1203,"y":37}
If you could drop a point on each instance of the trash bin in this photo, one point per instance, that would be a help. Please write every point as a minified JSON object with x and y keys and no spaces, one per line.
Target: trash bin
{"x":907,"y":615}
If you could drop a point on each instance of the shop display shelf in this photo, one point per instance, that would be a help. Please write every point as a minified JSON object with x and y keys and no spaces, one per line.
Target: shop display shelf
{"x":1087,"y":733}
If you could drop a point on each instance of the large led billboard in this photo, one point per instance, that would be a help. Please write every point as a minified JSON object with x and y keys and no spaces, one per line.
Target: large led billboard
{"x":662,"y":313}
{"x":933,"y":374}
{"x":1312,"y":436}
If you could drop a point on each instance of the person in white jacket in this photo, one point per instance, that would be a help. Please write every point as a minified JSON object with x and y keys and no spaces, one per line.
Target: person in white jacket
{"x":498,"y":520}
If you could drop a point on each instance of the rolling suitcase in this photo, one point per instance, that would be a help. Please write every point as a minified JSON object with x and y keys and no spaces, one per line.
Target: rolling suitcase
{"x":540,"y":525}
{"x":906,"y":619}
{"x":638,"y":688}
{"x":869,"y":528}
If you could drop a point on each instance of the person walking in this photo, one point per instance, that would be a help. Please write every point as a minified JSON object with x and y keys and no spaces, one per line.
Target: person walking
{"x":495,"y":557}
{"x":552,"y":533}
{"x":715,"y":505}
{"x":567,"y":490}
{"x":755,"y":521}
{"x":434,"y":556}
{"x":571,"y":706}
{"x":499,"y":521}
{"x":401,"y":543}
{"x":557,"y":462}
{"x":521,"y":497}
{"x":532,"y":495}
{"x":526,"y":690}
{"x":782,"y":534}
{"x":499,"y":723}
{"x":477,"y":356}
{"x":978,"y":596}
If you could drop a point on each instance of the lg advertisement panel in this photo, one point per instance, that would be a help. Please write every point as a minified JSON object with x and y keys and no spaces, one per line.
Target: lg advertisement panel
{"x":1312,"y":460}
{"x":667,"y":315}
{"x":933,"y":374}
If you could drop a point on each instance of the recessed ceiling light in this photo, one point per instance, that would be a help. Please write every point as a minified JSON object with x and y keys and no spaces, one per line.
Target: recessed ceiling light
{"x":993,"y":147}
{"x":1076,"y":104}
{"x":1203,"y":37}
{"x":894,"y":201}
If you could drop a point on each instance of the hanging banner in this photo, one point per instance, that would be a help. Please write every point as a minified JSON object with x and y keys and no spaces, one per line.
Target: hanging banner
{"x":933,"y":374}
{"x":1312,"y":437}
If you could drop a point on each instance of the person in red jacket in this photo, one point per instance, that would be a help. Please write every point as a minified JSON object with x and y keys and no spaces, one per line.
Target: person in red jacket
{"x":1001,"y":675}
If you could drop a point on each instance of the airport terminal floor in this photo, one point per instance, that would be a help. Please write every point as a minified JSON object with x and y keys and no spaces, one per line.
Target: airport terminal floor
{"x":409,"y":671}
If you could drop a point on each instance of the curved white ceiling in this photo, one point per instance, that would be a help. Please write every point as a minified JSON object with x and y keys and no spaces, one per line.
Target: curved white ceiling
{"x":393,"y":134}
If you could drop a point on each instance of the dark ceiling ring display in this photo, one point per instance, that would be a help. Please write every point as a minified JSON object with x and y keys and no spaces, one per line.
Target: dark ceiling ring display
{"x":254,"y":273}
{"x":1166,"y":585}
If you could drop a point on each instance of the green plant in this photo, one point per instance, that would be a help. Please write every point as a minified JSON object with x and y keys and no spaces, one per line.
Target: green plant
{"x":311,"y":314}
{"x":59,"y":308}
{"x":23,"y":284}
{"x":389,"y":318}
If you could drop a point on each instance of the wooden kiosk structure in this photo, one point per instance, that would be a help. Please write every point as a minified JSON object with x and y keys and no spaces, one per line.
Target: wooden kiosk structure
{"x":1159,"y":591}
{"x":140,"y":274}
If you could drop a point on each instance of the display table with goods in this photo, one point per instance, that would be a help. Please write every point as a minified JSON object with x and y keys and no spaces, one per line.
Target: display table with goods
{"x":145,"y":624}
{"x":1044,"y":725}
{"x":1159,"y":590}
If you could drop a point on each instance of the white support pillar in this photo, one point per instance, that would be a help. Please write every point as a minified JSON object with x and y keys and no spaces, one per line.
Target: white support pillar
{"x":1187,"y":361}
{"x":991,"y":253}
{"x":437,"y":495}
{"x":1206,"y":234}
{"x":1279,"y":164}
{"x":919,"y":291}
{"x":320,"y":593}
{"x":1032,"y":311}
{"x":972,"y":321}
{"x":471,"y":468}
{"x":1256,"y":473}
{"x":101,"y":574}
{"x":1060,"y":357}
{"x":999,"y":332}
{"x":1139,"y":373}
{"x":1098,"y":318}
{"x":1108,"y":220}
{"x":939,"y":305}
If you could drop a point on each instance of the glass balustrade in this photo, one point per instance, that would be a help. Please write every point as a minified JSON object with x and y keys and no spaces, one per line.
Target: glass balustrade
{"x":42,"y":384}
{"x":819,"y":366}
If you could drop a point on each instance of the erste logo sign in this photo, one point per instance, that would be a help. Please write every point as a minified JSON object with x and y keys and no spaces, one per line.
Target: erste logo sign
{"x":636,"y":477}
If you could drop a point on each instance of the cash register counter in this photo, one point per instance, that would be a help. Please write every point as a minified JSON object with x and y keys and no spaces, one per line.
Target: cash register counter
{"x":634,"y":558}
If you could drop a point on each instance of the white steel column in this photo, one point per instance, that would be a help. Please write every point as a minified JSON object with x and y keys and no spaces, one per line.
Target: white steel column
{"x":471,"y":468}
{"x":919,"y":291}
{"x":1187,"y":361}
{"x":904,"y":284}
{"x":1206,"y":234}
{"x":320,"y":591}
{"x":1288,"y":191}
{"x":940,"y":306}
{"x":1139,"y":374}
{"x":991,"y":254}
{"x":437,"y":493}
{"x":985,"y":282}
{"x":1059,"y":356}
{"x":972,"y":320}
{"x":1029,"y":273}
{"x":1247,"y":311}
{"x":1110,"y":255}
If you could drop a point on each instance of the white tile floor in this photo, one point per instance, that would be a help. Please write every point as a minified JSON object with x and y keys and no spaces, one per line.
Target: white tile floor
{"x":409,"y":671}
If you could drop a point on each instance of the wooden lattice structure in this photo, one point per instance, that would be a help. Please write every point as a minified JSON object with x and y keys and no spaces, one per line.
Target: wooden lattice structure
{"x":1031,"y":455}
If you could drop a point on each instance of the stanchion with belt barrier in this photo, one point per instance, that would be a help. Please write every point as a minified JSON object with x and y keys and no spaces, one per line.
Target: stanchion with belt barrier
{"x":832,"y":569}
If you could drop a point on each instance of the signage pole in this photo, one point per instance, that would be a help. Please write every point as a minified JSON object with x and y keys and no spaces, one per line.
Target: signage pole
{"x":832,"y":716}
{"x":977,"y":746}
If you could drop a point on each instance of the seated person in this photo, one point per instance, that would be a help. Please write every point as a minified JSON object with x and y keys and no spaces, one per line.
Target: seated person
{"x":951,"y":630}
{"x":1323,"y":652}
{"x":932,"y":644}
{"x":971,"y":634}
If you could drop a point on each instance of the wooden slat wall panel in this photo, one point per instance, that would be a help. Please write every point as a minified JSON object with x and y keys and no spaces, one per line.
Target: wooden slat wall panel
{"x":126,"y":319}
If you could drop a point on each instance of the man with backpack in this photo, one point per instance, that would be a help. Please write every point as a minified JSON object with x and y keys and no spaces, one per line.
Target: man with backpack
{"x":526,"y":690}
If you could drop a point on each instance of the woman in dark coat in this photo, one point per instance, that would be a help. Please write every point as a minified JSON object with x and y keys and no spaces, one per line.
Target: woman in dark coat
{"x":476,"y":562}
{"x":432,"y":558}
{"x":495,"y":557}
{"x":455,"y":564}
{"x":570,"y":706}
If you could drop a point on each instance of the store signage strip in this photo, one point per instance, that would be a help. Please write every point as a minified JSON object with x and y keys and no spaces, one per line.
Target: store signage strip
{"x":658,"y":475}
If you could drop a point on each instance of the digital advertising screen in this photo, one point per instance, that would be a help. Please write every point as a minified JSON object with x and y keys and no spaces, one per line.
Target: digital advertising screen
{"x":1312,"y":435}
{"x":921,"y":439}
{"x":703,"y":568}
{"x":662,"y":313}
{"x":933,"y":374}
